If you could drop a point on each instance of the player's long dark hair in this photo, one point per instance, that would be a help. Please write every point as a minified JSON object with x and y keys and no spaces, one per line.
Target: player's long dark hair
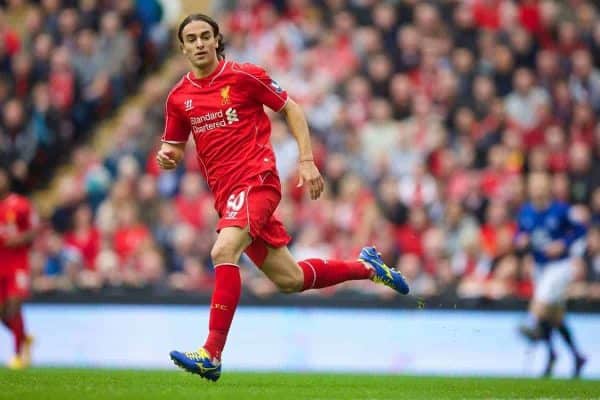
{"x":215,"y":27}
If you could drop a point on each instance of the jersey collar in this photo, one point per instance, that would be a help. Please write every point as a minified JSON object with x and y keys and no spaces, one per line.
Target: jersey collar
{"x":209,"y":79}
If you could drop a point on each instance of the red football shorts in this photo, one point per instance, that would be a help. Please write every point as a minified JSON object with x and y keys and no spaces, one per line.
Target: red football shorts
{"x":14,"y":285}
{"x":252,"y":204}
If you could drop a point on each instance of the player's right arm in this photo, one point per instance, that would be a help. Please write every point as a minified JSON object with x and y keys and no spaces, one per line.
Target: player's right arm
{"x":170,"y":154}
{"x":175,"y":136}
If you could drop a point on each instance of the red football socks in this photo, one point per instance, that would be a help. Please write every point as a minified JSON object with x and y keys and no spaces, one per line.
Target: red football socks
{"x":17,"y":327}
{"x":320,"y":273}
{"x":225,"y":298}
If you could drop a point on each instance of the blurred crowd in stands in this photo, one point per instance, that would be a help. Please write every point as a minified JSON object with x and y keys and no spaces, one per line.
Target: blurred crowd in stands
{"x":65,"y":65}
{"x":426,"y":118}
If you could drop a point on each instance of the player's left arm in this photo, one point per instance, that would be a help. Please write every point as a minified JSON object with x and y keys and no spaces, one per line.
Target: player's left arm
{"x":574,"y":230}
{"x":307,"y":170}
{"x":267,"y":92}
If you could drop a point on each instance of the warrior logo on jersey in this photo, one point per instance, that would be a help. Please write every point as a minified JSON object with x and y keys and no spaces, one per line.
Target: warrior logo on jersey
{"x":278,"y":89}
{"x":188,"y":104}
{"x":225,"y":95}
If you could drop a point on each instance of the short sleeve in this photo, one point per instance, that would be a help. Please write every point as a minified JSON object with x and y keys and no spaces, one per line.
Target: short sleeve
{"x":177,"y":127}
{"x":263,"y":88}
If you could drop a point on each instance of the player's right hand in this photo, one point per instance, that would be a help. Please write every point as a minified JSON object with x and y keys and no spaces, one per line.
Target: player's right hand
{"x":166,"y":159}
{"x":522,"y":241}
{"x":555,"y":249}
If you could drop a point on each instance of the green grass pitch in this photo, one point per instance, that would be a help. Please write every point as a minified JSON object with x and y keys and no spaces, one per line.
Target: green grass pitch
{"x":96,"y":384}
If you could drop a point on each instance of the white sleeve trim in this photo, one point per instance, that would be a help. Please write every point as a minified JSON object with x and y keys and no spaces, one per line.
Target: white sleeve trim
{"x":284,"y":104}
{"x":173,"y":142}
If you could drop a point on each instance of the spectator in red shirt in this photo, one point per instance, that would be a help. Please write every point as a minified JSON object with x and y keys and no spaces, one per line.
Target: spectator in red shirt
{"x":584,"y":123}
{"x":529,"y":15}
{"x":9,"y":38}
{"x":494,"y":178}
{"x":130,"y":234}
{"x":62,"y":81}
{"x":487,"y":13}
{"x":191,"y":200}
{"x":84,"y":236}
{"x":23,"y":74}
{"x":409,"y":236}
{"x":497,"y":232}
{"x":557,"y":148}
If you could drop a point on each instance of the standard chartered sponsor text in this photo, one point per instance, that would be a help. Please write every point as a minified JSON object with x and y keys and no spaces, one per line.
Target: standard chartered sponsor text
{"x":208,"y":127}
{"x":206,"y":117}
{"x":200,"y":125}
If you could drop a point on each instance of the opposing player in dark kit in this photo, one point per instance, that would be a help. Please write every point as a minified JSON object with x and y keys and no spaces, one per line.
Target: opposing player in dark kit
{"x":549,"y":231}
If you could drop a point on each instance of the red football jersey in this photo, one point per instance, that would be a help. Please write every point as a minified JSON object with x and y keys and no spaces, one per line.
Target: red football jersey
{"x":16,"y":216}
{"x":224,"y":113}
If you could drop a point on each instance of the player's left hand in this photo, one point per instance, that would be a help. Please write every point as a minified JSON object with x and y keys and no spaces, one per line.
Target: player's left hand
{"x":554,"y":249}
{"x":309,"y":173}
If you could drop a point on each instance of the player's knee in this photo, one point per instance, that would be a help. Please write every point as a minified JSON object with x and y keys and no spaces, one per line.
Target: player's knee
{"x":290,"y":283}
{"x":225,"y":253}
{"x":288,"y":286}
